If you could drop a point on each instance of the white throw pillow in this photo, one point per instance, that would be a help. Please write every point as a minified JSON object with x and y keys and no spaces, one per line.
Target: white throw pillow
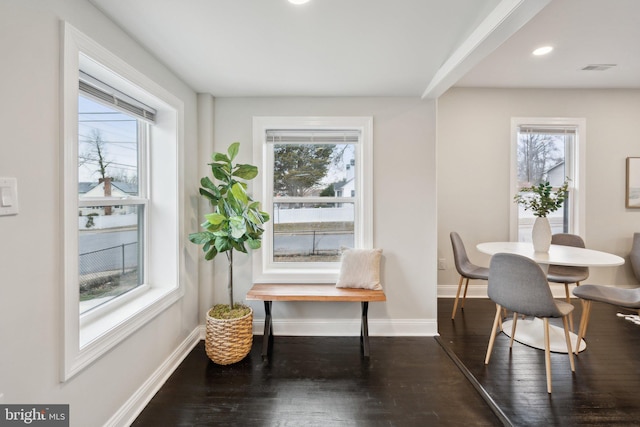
{"x":360,"y":268}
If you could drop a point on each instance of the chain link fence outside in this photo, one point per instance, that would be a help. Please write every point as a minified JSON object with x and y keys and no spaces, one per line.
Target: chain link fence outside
{"x":108,"y":272}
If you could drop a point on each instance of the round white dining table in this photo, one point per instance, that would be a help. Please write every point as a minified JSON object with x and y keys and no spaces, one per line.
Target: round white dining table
{"x":531,"y":331}
{"x":558,"y":254}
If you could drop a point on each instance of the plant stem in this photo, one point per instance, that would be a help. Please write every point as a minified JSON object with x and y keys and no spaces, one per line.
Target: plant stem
{"x":230,"y":278}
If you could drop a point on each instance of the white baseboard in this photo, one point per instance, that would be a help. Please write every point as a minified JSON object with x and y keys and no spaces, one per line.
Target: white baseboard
{"x":349,"y":327}
{"x":473,"y":291}
{"x":479,"y":290}
{"x":137,"y":402}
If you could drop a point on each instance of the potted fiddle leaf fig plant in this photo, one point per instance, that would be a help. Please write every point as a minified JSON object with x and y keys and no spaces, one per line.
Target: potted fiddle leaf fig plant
{"x":235,"y":224}
{"x":542,"y":200}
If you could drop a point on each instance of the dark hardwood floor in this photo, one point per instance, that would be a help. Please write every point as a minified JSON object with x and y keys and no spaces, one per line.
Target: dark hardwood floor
{"x":322,"y":381}
{"x":604,"y":390}
{"x":413,"y":381}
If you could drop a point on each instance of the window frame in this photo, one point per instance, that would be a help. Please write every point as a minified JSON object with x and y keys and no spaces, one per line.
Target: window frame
{"x":576,"y":167}
{"x":88,"y":336}
{"x":264,"y":269}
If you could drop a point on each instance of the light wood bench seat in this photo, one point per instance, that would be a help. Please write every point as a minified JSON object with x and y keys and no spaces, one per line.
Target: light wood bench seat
{"x":269,"y":292}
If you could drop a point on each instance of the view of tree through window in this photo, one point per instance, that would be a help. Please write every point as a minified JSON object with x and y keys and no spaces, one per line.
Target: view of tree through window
{"x":109,"y":224}
{"x":314,"y":189}
{"x":543,"y":154}
{"x":298,"y":169}
{"x":538,"y":155}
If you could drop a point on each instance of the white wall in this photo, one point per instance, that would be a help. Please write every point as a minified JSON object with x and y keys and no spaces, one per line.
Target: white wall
{"x":31,"y":251}
{"x":473,"y":169}
{"x":404,"y":207}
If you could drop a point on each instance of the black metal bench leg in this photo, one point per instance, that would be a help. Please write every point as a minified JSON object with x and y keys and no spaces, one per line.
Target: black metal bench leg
{"x":364,"y":329}
{"x":268,"y":329}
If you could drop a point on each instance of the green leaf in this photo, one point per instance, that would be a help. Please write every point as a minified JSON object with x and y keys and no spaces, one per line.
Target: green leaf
{"x":220,"y":157}
{"x":239,"y":194}
{"x":207,"y":183}
{"x":233,"y":150}
{"x":222,"y":244}
{"x":215,"y":218}
{"x":238,"y":227}
{"x":219,"y":173}
{"x":239,"y":246}
{"x":255,"y":219}
{"x":201,"y":237}
{"x":211,"y":254}
{"x":230,"y":206}
{"x":253,"y":243}
{"x":210,"y":196}
{"x":246,"y":171}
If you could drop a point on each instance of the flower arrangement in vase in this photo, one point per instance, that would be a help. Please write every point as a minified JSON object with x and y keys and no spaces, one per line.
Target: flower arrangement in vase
{"x":542,"y":200}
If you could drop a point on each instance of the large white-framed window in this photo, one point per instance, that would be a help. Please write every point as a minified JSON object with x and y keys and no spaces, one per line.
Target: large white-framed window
{"x":121,"y":191}
{"x":316,"y":182}
{"x":548,"y":149}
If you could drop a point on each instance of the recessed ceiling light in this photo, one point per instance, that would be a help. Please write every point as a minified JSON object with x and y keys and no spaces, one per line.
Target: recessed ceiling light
{"x":542,"y":50}
{"x":298,"y":1}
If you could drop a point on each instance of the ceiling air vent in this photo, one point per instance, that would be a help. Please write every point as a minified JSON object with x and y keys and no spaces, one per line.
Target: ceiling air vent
{"x":598,"y":67}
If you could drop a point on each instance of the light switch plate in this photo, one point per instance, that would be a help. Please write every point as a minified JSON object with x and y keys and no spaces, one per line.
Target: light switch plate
{"x":8,"y":196}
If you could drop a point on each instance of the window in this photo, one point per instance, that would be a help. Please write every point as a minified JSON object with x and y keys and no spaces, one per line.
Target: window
{"x":121,"y":190}
{"x":547,"y":149}
{"x":111,"y":194}
{"x":316,"y":183}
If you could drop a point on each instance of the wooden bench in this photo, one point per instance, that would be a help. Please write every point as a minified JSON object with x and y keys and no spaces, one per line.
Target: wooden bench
{"x":269,"y":292}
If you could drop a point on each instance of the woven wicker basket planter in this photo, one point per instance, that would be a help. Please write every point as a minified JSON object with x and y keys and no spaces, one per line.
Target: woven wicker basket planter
{"x":228,"y":341}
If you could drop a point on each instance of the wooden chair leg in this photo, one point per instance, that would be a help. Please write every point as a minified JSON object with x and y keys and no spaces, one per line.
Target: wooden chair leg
{"x":464,"y":295}
{"x":513,"y":328}
{"x":566,"y":291}
{"x":547,"y":353}
{"x":492,"y":337}
{"x":565,"y":323}
{"x":584,"y":322}
{"x":455,"y":304}
{"x":568,"y":298}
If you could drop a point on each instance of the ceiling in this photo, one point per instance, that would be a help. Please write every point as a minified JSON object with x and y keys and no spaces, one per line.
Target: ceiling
{"x":582,"y":32}
{"x":233,"y":48}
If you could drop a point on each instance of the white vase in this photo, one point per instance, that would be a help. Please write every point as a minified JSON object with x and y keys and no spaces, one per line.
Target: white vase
{"x":541,"y":235}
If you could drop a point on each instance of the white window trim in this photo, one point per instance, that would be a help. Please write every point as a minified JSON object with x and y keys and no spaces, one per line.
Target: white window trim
{"x":268,"y":272}
{"x":578,"y":168}
{"x":88,"y":338}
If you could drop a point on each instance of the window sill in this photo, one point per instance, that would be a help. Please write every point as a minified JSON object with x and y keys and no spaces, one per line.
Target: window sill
{"x":101,"y":333}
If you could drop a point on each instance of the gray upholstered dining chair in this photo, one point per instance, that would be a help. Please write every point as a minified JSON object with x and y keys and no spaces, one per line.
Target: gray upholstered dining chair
{"x":567,"y":274}
{"x":518,"y":284}
{"x":621,"y":297}
{"x":465,"y":268}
